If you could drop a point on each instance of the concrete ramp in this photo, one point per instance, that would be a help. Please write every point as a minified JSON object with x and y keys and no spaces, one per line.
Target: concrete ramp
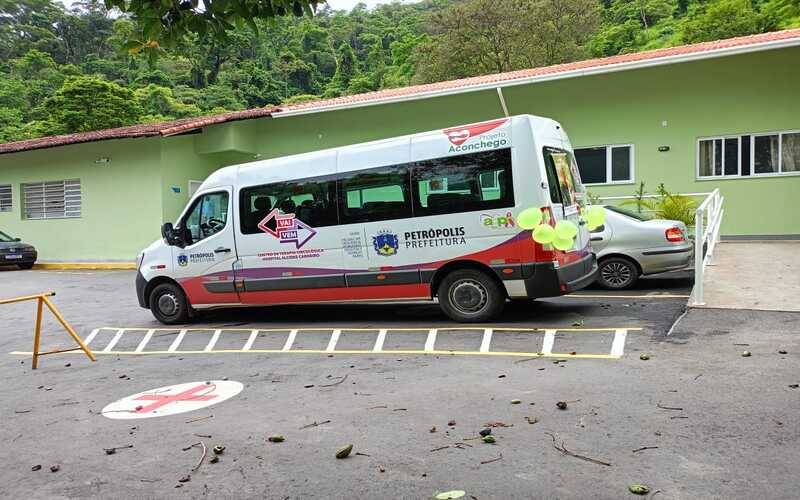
{"x":761,"y":275}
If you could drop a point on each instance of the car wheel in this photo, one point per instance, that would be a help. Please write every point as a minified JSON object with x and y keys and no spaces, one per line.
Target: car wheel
{"x":471,"y":296}
{"x":617,"y":273}
{"x":27,"y":265}
{"x":168,"y":304}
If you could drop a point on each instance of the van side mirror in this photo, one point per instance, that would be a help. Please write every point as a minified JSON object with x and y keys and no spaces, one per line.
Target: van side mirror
{"x":170,"y":235}
{"x":17,"y":239}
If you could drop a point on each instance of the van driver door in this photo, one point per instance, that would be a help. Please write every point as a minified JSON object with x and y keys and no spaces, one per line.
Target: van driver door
{"x":204,"y":266}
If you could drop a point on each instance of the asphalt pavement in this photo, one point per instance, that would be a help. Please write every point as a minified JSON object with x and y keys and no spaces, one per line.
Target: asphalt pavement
{"x":695,"y":420}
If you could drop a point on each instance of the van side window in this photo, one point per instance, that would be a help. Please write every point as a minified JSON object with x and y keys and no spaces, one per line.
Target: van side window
{"x":313,"y":201}
{"x":465,"y":183}
{"x":374,"y":195}
{"x":208,"y":216}
{"x":562,"y":177}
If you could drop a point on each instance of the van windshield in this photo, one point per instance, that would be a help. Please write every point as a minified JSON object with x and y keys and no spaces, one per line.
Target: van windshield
{"x":563,"y":177}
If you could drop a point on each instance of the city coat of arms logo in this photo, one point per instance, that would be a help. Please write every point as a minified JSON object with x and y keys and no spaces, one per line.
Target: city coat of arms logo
{"x":386,"y":243}
{"x":183,"y":260}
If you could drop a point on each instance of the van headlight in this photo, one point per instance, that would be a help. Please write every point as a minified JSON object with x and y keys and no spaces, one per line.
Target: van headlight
{"x":139,"y":259}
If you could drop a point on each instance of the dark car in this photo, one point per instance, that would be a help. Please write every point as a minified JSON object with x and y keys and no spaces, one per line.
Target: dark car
{"x":14,"y":252}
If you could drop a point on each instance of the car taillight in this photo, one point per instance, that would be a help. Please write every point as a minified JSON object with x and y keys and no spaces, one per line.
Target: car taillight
{"x":674,"y":234}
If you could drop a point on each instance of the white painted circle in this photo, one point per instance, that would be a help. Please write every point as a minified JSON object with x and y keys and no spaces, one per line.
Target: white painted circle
{"x":173,"y":399}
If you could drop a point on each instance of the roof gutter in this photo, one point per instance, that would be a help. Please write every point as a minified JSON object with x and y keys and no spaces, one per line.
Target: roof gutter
{"x":610,"y":68}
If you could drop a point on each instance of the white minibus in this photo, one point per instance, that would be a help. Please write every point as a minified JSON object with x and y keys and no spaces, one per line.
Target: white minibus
{"x":424,"y":216}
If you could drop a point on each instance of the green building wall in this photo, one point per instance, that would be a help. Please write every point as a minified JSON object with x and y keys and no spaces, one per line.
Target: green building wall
{"x":146,"y":182}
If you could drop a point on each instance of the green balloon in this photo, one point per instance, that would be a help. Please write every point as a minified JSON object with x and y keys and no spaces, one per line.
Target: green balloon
{"x":563,"y":244}
{"x":595,"y":216}
{"x":544,"y":234}
{"x":566,"y":230}
{"x":529,"y":218}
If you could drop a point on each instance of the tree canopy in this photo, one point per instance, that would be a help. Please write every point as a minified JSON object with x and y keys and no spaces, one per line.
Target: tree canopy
{"x":71,"y":70}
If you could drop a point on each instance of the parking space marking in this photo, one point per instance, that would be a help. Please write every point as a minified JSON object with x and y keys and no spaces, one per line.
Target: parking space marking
{"x":430,"y":341}
{"x":289,"y":340}
{"x":612,"y":296}
{"x":177,"y":342}
{"x":334,"y":340}
{"x":213,"y":341}
{"x":486,"y":341}
{"x":145,"y":340}
{"x":489,"y":340}
{"x":379,"y":341}
{"x":114,"y":340}
{"x":618,"y":345}
{"x":547,"y":342}
{"x":250,"y":340}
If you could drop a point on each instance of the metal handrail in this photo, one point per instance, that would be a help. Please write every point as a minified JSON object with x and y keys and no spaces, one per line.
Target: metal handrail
{"x":707,"y":222}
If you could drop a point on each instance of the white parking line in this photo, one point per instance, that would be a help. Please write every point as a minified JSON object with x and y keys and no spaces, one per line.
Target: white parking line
{"x":334,"y":339}
{"x":177,"y":342}
{"x":252,"y":338}
{"x":486,"y":340}
{"x":213,"y":341}
{"x":431,"y":340}
{"x":547,"y":342}
{"x":114,"y":340}
{"x":91,"y":336}
{"x":289,"y":340}
{"x":145,"y":340}
{"x":379,"y":341}
{"x":618,"y":345}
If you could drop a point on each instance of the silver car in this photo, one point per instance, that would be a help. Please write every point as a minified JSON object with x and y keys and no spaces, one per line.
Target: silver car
{"x":628,"y":246}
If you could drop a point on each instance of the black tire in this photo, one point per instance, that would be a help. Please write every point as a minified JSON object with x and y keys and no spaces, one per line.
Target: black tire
{"x":617,"y":273}
{"x":471,"y":296}
{"x":168,"y":304}
{"x":27,"y":265}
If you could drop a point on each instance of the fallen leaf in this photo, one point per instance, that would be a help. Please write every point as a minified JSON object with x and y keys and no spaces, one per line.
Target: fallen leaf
{"x":344,"y":451}
{"x":638,"y":489}
{"x":448,"y":495}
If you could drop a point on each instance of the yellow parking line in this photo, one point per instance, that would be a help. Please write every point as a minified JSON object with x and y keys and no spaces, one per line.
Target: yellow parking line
{"x":322,"y":351}
{"x":603,"y":296}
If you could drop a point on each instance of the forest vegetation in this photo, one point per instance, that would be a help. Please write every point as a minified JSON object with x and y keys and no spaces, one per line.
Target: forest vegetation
{"x":87,"y":68}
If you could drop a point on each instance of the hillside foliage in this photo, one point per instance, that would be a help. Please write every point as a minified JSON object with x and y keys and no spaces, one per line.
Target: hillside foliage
{"x":74,"y":70}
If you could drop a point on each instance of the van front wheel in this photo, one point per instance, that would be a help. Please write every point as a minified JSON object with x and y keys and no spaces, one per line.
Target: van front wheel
{"x":471,"y":296}
{"x":169,"y":305}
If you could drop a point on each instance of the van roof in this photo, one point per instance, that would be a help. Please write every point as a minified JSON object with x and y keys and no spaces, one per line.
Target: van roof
{"x":226,"y":176}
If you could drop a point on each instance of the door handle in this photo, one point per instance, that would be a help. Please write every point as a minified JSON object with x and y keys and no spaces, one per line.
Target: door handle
{"x":222,"y":250}
{"x":596,"y":238}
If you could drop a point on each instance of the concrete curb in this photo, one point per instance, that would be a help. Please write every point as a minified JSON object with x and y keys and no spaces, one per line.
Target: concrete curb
{"x":97,"y":266}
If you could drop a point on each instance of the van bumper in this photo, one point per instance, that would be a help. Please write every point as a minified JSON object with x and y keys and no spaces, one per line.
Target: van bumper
{"x":141,"y":286}
{"x":549,"y":281}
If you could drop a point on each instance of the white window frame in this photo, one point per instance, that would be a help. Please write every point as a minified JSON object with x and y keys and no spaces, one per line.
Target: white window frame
{"x":751,"y":166}
{"x":6,"y":189}
{"x":714,"y":155}
{"x":65,"y":214}
{"x":609,"y":151}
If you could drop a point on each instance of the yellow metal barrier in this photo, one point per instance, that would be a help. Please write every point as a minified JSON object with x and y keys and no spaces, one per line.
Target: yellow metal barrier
{"x":42,"y":299}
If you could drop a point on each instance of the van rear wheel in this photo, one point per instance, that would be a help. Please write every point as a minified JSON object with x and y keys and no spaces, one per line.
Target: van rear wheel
{"x":169,"y":305}
{"x":471,"y":296}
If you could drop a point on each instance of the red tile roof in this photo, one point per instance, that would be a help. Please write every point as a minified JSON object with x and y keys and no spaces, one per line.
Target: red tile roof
{"x":147,"y":130}
{"x":717,"y":48}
